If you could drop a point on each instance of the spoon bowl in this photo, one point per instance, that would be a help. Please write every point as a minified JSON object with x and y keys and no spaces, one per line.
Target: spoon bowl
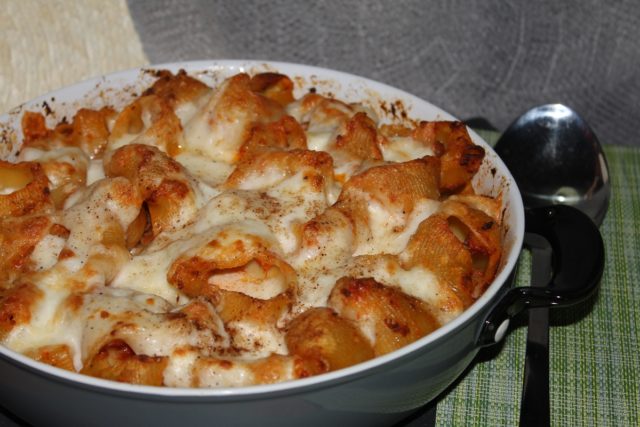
{"x":556,"y":158}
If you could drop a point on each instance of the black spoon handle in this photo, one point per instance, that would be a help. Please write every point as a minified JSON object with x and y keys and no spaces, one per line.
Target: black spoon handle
{"x":535,"y":406}
{"x":568,"y":262}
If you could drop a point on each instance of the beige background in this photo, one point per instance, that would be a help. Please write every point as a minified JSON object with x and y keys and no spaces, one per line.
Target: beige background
{"x":45,"y":45}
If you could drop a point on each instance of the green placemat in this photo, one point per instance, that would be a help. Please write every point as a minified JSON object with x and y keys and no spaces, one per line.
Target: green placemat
{"x":594,"y":352}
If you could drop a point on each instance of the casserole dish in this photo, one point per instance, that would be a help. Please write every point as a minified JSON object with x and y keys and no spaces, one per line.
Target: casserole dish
{"x":380,"y":391}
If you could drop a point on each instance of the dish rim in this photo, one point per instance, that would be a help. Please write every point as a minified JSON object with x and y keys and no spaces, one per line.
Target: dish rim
{"x":359,"y":370}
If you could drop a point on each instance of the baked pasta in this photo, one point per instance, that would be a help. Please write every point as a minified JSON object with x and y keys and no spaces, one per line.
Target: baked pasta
{"x":237,"y":235}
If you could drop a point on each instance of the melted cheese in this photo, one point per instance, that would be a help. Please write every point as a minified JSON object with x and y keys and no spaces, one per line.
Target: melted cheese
{"x":391,"y":229}
{"x":223,"y":374}
{"x":45,"y":254}
{"x":95,"y":290}
{"x":123,"y":140}
{"x":251,"y":280}
{"x":417,"y":282}
{"x":403,"y":149}
{"x":299,"y":202}
{"x":147,"y":273}
{"x":323,"y":261}
{"x":95,"y":172}
{"x":5,"y":190}
{"x":72,"y":155}
{"x":319,"y":141}
{"x":257,"y":340}
{"x":93,"y":212}
{"x":209,"y":172}
{"x":179,"y":371}
{"x":45,"y":327}
{"x":187,"y":110}
{"x":214,"y":133}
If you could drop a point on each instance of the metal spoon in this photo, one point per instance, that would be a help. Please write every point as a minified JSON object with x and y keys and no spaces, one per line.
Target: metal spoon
{"x":555,"y":158}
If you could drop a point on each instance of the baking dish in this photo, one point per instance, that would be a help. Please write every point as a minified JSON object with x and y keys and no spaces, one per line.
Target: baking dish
{"x":378,"y":392}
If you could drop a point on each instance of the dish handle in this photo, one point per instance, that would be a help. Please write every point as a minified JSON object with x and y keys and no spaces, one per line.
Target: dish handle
{"x":577,"y":264}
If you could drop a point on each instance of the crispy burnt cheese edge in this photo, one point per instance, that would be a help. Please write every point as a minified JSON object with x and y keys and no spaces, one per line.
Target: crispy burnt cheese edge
{"x":117,"y":361}
{"x":390,"y":318}
{"x":323,"y":335}
{"x":24,"y":189}
{"x":16,"y":306}
{"x":403,"y":194}
{"x":168,"y":194}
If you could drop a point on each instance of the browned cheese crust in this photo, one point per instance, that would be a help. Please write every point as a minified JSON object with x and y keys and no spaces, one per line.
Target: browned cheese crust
{"x":237,"y":235}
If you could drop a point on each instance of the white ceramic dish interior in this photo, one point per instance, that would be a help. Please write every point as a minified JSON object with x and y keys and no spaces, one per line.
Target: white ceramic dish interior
{"x":389,"y":103}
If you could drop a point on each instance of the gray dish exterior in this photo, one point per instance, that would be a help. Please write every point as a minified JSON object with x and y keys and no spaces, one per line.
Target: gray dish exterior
{"x":376,"y":393}
{"x":379,"y":396}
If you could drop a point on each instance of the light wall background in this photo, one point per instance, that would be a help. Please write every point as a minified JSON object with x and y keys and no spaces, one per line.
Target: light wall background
{"x":46,"y":45}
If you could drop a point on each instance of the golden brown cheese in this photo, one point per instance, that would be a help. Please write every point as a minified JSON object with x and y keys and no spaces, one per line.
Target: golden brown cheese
{"x":25,"y":189}
{"x":388,"y":317}
{"x":230,"y":236}
{"x":218,"y":130}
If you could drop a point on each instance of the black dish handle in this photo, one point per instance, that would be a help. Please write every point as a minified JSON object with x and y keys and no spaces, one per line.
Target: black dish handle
{"x":577,"y":263}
